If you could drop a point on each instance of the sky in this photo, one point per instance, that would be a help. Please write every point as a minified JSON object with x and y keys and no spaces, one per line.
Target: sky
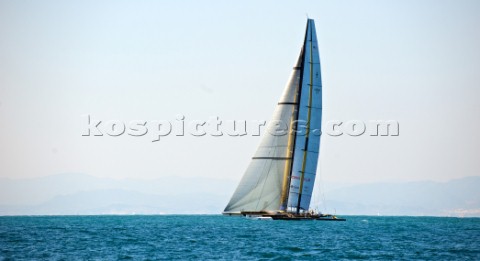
{"x":415,"y":62}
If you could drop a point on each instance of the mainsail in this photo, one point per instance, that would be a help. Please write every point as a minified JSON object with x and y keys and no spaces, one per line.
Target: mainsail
{"x":282,"y":172}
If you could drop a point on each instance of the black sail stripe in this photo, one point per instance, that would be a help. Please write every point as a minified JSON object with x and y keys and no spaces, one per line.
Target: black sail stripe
{"x":273,"y":158}
{"x":287,"y":103}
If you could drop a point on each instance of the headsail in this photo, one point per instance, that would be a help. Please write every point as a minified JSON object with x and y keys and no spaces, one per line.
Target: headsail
{"x":282,"y":172}
{"x":261,"y":186}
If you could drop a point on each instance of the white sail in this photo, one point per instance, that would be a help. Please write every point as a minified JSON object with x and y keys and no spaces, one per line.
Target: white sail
{"x":261,"y":186}
{"x":282,"y":172}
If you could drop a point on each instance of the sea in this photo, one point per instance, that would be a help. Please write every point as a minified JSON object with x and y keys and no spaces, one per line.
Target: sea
{"x":216,"y":237}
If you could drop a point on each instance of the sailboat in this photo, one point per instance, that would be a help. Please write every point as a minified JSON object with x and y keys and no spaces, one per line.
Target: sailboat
{"x":279,"y":181}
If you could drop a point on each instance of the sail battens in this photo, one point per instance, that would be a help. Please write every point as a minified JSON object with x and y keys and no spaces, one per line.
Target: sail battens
{"x":287,"y":103}
{"x":273,"y":158}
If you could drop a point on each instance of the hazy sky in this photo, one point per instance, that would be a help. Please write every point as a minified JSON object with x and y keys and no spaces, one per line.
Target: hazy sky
{"x":416,"y":62}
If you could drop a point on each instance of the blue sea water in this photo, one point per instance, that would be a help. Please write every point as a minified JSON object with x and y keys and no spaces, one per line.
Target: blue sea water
{"x":204,"y":237}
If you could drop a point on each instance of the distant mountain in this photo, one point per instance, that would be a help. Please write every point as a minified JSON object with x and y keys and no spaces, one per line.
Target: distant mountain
{"x":84,"y":194}
{"x":459,"y":197}
{"x":117,"y":201}
{"x":72,"y":194}
{"x":38,"y":190}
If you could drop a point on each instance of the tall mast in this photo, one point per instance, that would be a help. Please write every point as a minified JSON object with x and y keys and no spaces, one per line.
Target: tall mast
{"x":293,"y":126}
{"x":292,"y":135}
{"x":306,"y":145}
{"x":307,"y":131}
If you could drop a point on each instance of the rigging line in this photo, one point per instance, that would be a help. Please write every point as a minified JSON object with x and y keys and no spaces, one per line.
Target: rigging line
{"x":297,"y":112}
{"x":287,"y":170}
{"x":291,"y":139}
